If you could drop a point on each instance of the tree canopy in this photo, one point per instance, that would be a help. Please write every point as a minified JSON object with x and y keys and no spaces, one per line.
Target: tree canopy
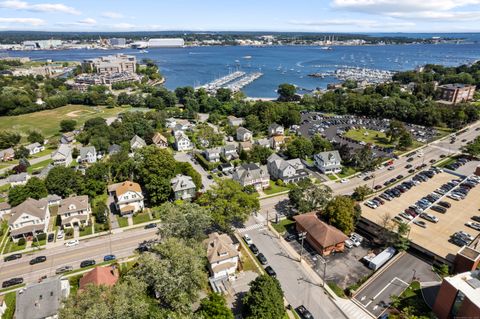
{"x":264,"y":300}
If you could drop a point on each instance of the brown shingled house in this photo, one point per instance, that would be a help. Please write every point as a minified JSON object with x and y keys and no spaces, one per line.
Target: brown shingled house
{"x":106,"y":276}
{"x":324,"y":238}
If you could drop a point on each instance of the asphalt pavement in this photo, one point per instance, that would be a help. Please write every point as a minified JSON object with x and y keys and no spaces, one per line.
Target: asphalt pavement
{"x":185,"y":157}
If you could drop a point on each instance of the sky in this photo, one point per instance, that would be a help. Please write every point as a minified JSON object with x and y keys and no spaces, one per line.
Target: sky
{"x":242,"y":15}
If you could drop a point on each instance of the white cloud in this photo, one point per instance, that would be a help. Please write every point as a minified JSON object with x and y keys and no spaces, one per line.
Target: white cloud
{"x":112,"y":15}
{"x":87,"y":21}
{"x":29,"y":21}
{"x":40,"y":7}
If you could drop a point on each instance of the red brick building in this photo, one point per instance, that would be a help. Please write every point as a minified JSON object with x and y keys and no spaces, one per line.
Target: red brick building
{"x":324,"y":238}
{"x":459,"y":296}
{"x":456,"y":93}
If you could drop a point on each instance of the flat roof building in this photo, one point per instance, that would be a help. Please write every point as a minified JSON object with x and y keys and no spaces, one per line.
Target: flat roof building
{"x":111,"y":64}
{"x":456,"y":93}
{"x":166,"y":43}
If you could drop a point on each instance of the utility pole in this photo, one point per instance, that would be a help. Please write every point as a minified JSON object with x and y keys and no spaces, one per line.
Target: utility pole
{"x":320,"y":259}
{"x":302,"y":236}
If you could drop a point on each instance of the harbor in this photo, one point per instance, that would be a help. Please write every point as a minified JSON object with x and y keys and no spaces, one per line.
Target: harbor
{"x":363,"y":75}
{"x":234,"y":81}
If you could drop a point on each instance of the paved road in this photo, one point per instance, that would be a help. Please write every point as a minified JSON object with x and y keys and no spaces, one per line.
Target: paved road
{"x":394,"y":281}
{"x":32,"y":161}
{"x":185,"y":157}
{"x":120,"y":244}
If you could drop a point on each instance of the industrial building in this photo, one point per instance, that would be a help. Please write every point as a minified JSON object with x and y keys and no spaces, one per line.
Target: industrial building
{"x":117,"y":42}
{"x":118,"y":63}
{"x":166,"y":43}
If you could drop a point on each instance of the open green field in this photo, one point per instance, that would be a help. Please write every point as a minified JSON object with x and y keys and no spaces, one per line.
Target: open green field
{"x":374,"y":137}
{"x":48,"y":121}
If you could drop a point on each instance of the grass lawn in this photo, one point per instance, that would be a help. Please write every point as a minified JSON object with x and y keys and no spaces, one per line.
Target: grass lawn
{"x":274,"y":188}
{"x":346,"y":172}
{"x":38,"y":166}
{"x":47,"y":151}
{"x":74,"y":283}
{"x":332,"y":177}
{"x":248,"y":264}
{"x":10,"y":299}
{"x":443,"y":131}
{"x":87,"y":230}
{"x":141,"y":218}
{"x":122,"y":221}
{"x":446,"y":161}
{"x":100,"y":227}
{"x":12,"y":247}
{"x":283,"y":225}
{"x":412,"y":297}
{"x":48,"y":121}
{"x":369,"y":136}
{"x":336,"y":289}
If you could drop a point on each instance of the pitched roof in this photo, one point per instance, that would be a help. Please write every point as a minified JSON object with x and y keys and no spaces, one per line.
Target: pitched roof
{"x":30,"y":147}
{"x":242,"y":130}
{"x":73,"y":204}
{"x":182,"y":182}
{"x":62,"y":151}
{"x":329,"y":156}
{"x":114,"y":148}
{"x":16,"y":178}
{"x":137,"y":140}
{"x":247,"y":172}
{"x":87,"y":149}
{"x":219,"y":247}
{"x":37,"y":208}
{"x":99,"y":276}
{"x":157,"y":138}
{"x":324,"y":234}
{"x":126,"y":187}
{"x":5,"y":206}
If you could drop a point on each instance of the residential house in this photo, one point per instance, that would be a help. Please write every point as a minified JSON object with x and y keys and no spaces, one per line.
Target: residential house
{"x":7,"y":155}
{"x":264,"y":142}
{"x":287,"y":171}
{"x":42,"y":300}
{"x":29,"y":218}
{"x":100,"y":276}
{"x":252,"y":174}
{"x":277,"y":141}
{"x":35,"y":148}
{"x":245,"y":146}
{"x":328,"y":162}
{"x":230,"y":152}
{"x":222,"y":255}
{"x":5,"y":210}
{"x":18,"y":179}
{"x":276,"y":129}
{"x":235,"y":121}
{"x":324,"y":238}
{"x":128,"y":197}
{"x":74,"y":211}
{"x":114,"y":149}
{"x":178,"y":124}
{"x":226,"y":167}
{"x":137,"y":143}
{"x":183,"y":187}
{"x":68,"y":138}
{"x":243,"y":134}
{"x":182,"y":142}
{"x":213,"y":154}
{"x":88,"y":154}
{"x":159,"y":140}
{"x":53,"y":200}
{"x":62,"y":156}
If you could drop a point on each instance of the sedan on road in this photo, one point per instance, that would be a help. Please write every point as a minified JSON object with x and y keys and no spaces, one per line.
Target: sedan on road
{"x":12,"y":257}
{"x":63,"y":269}
{"x":269,"y":270}
{"x":87,"y":263}
{"x":12,"y":282}
{"x":303,"y":312}
{"x":109,"y":258}
{"x":262,"y":259}
{"x":253,"y":248}
{"x":71,"y":243}
{"x":150,"y":226}
{"x":37,"y":260}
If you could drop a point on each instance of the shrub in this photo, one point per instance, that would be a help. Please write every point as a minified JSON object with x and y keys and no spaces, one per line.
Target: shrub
{"x":22,"y":241}
{"x":42,"y":236}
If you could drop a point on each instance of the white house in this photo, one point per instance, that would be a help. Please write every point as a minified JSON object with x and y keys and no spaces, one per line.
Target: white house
{"x":35,"y":148}
{"x":88,"y":154}
{"x":128,"y":197}
{"x":288,"y":171}
{"x":328,"y":162}
{"x":74,"y":211}
{"x":29,"y":218}
{"x":213,"y":154}
{"x":230,"y":152}
{"x":18,"y":179}
{"x":235,"y":121}
{"x":5,"y":209}
{"x":183,"y":187}
{"x":62,"y":156}
{"x":159,"y":140}
{"x":182,"y":142}
{"x":222,"y":255}
{"x":137,"y":142}
{"x":67,"y":138}
{"x":275,"y":129}
{"x":252,"y":174}
{"x":243,"y":134}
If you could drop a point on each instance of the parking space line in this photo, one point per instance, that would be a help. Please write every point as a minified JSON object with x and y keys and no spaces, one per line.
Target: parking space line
{"x":383,"y":289}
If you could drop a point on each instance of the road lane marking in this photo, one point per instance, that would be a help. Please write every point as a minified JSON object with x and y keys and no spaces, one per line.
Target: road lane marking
{"x":383,"y":289}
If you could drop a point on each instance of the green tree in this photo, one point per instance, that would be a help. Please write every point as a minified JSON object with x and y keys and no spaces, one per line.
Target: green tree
{"x":63,"y":181}
{"x":17,"y":195}
{"x":321,"y":144}
{"x":186,"y":168}
{"x":214,"y":307}
{"x":35,"y":188}
{"x":264,"y":300}
{"x":340,"y":213}
{"x":67,"y":125}
{"x":287,"y":92}
{"x":400,"y":239}
{"x":307,"y":197}
{"x":175,"y":271}
{"x":8,"y":139}
{"x":473,"y":148}
{"x":187,"y":221}
{"x":361,"y":192}
{"x":300,"y":147}
{"x":228,"y":204}
{"x":259,"y":154}
{"x":35,"y":137}
{"x":21,"y":152}
{"x":405,"y":140}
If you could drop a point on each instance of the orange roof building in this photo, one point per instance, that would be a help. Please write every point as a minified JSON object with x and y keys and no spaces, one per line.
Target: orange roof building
{"x":324,"y":238}
{"x":106,"y":276}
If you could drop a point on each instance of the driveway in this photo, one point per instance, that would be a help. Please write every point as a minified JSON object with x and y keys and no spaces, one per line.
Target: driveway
{"x":185,"y":157}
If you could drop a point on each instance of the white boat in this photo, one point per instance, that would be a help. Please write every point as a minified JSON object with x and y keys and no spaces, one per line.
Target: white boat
{"x":247,"y":57}
{"x":326,"y":48}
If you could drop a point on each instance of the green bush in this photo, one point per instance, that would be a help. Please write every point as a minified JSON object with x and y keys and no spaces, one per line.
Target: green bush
{"x":22,"y":242}
{"x":280,"y":183}
{"x":42,"y":236}
{"x":204,"y":163}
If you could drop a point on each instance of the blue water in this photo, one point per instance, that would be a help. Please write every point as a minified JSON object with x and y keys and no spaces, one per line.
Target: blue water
{"x":282,"y":64}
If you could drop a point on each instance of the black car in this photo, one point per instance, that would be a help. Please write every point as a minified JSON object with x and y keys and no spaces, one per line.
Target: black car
{"x":408,"y":166}
{"x":150,"y":226}
{"x":51,"y":237}
{"x":410,"y":159}
{"x":476,"y":218}
{"x":37,"y":260}
{"x":445,"y":204}
{"x":209,"y":177}
{"x":290,"y":237}
{"x":12,"y":257}
{"x":303,"y":312}
{"x":262,"y":259}
{"x":12,"y":282}
{"x":87,"y":263}
{"x":269,"y":270}
{"x":254,"y":249}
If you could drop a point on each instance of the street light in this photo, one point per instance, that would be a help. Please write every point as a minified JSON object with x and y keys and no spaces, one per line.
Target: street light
{"x":302,"y":237}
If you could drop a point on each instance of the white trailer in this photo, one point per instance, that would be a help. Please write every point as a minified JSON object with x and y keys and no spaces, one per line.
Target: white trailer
{"x":379,"y":260}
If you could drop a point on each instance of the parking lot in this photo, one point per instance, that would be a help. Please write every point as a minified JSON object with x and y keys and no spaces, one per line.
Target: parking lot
{"x":436,"y":236}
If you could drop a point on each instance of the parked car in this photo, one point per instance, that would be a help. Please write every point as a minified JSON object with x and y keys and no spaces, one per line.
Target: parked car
{"x":150,"y":226}
{"x":303,"y":312}
{"x":63,"y":269}
{"x":247,"y":239}
{"x":262,"y":259}
{"x":269,"y":270}
{"x":254,"y":249}
{"x":87,"y":263}
{"x":290,"y":237}
{"x":430,"y":218}
{"x":60,"y":234}
{"x":109,"y":257}
{"x":348,"y":243}
{"x":420,"y":223}
{"x":445,"y":204}
{"x":38,"y":259}
{"x":71,"y":243}
{"x":51,"y":237}
{"x":12,"y":257}
{"x":12,"y":282}
{"x":476,"y":218}
{"x":473,"y":225}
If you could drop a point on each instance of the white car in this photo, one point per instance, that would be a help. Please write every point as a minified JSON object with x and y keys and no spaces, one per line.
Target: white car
{"x":71,"y":243}
{"x":247,"y":239}
{"x":473,"y":225}
{"x":349,"y":243}
{"x":60,"y":234}
{"x":344,"y":180}
{"x":454,"y":197}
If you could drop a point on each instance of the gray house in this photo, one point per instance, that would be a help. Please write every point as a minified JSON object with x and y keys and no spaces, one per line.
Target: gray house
{"x":252,"y":174}
{"x":275,"y":129}
{"x":243,"y":134}
{"x":183,"y":187}
{"x":137,"y":142}
{"x":288,"y":171}
{"x":88,"y":154}
{"x":62,"y":156}
{"x":213,"y":154}
{"x":230,"y":152}
{"x":328,"y":162}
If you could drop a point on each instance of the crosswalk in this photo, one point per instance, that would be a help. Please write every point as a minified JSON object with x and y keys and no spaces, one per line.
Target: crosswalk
{"x":352,"y":310}
{"x":250,"y":228}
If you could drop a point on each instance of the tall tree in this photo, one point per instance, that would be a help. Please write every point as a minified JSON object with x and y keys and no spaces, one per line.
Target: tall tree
{"x":35,"y":137}
{"x":300,"y":147}
{"x":306,"y":196}
{"x":287,"y":92}
{"x":264,"y":300}
{"x":340,"y":212}
{"x":67,"y":125}
{"x":63,"y":181}
{"x":214,"y":307}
